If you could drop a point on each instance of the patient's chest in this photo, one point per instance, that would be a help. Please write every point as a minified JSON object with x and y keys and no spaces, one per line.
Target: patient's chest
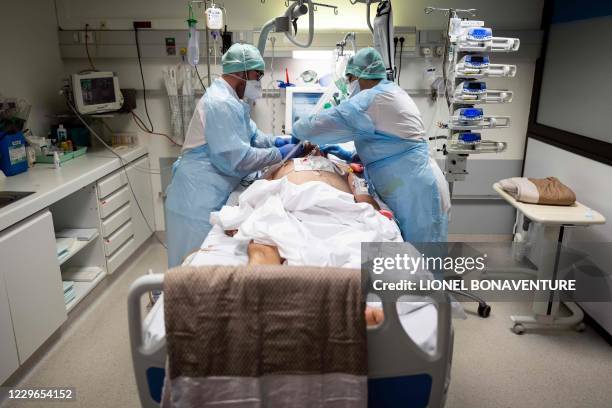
{"x":298,"y":171}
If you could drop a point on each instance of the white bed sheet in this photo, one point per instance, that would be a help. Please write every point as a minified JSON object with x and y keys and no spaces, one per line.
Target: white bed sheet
{"x":420,"y":323}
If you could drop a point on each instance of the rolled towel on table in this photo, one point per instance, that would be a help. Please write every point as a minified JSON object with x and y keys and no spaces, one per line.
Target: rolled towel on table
{"x":546,"y":191}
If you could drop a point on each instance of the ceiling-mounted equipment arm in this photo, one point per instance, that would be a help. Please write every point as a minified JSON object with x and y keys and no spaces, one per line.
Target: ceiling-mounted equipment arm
{"x":368,"y":3}
{"x":282,"y":24}
{"x":297,"y":10}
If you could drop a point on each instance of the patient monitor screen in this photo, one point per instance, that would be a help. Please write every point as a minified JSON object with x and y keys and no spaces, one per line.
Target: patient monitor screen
{"x":98,"y":91}
{"x":303,"y":104}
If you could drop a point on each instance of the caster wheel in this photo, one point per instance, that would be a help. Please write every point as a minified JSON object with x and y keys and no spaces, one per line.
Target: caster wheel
{"x":484,"y":311}
{"x":580,"y":327}
{"x":518,"y":328}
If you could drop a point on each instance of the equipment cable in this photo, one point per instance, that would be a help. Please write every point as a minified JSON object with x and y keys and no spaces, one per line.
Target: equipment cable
{"x":91,"y":64}
{"x":144,"y":88}
{"x":401,"y":40}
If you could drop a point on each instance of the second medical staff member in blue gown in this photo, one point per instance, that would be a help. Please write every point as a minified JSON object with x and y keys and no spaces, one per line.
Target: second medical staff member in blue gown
{"x":222,"y":146}
{"x":389,"y":137}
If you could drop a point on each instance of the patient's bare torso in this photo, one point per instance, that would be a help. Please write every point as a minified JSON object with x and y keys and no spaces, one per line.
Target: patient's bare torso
{"x":303,"y":176}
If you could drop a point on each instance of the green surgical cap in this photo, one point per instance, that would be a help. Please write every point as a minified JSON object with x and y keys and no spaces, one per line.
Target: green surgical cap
{"x":367,"y":64}
{"x":242,"y":57}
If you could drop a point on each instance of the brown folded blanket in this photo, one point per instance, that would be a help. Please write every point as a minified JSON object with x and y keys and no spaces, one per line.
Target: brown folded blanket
{"x":547,"y":191}
{"x":265,"y":336}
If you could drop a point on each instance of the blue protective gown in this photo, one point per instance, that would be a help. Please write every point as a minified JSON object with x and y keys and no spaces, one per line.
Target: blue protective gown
{"x":397,"y":168}
{"x":204,"y":176}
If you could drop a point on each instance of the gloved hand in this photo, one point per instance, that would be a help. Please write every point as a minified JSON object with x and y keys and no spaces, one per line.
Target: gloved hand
{"x":339,"y":153}
{"x":282,"y":140}
{"x":295,"y":140}
{"x":286,"y":149}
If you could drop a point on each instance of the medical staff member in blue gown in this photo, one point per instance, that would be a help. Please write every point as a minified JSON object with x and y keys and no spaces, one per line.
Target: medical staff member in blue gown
{"x":222,"y":146}
{"x":389,"y":137}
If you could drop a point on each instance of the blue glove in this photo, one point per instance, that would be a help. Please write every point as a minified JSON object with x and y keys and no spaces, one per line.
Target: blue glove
{"x":286,"y":149}
{"x":339,"y":152}
{"x":281,"y":141}
{"x":295,"y":140}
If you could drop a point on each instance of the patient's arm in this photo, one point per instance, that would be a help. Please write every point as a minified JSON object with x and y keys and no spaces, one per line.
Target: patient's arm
{"x":260,"y":254}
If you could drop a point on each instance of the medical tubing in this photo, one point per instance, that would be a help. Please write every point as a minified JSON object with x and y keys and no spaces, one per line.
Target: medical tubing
{"x":399,"y":74}
{"x":200,"y":78}
{"x":207,"y":55}
{"x":273,"y":82}
{"x":123,"y":164}
{"x":289,"y":13}
{"x":444,"y":63}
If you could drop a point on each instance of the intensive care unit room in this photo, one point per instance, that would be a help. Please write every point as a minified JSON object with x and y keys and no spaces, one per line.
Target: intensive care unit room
{"x":305,"y":204}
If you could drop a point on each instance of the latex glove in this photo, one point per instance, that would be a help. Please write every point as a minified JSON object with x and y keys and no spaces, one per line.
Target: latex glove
{"x":280,"y":141}
{"x":339,"y":153}
{"x":286,"y":149}
{"x":295,"y":140}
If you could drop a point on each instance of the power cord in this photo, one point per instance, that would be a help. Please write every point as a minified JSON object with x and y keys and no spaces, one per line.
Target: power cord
{"x":140,"y":123}
{"x":91,"y":64}
{"x":401,"y":40}
{"x":123,"y":165}
{"x":144,"y":88}
{"x":200,"y":78}
{"x":395,"y":41}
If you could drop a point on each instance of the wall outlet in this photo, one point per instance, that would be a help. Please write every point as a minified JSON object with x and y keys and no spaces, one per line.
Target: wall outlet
{"x":90,"y":37}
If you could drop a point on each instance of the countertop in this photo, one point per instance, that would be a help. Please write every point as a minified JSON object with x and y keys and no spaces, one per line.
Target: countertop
{"x":51,"y":185}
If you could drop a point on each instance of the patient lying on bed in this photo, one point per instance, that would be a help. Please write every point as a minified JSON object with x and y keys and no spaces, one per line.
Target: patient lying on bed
{"x":338,"y":176}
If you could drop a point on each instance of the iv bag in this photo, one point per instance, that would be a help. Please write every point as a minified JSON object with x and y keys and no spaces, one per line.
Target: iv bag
{"x":193,"y":48}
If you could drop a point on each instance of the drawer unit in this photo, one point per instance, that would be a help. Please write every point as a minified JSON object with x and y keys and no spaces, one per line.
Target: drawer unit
{"x":114,"y":201}
{"x":112,"y":183}
{"x":116,"y":219}
{"x":125,"y":207}
{"x":121,"y":255}
{"x":118,"y":238}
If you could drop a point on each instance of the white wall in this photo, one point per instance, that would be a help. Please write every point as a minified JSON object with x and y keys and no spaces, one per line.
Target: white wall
{"x":249,"y":14}
{"x":31,"y":66}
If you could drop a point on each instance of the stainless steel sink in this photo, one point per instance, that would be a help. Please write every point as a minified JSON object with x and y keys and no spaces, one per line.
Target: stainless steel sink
{"x":9,"y":197}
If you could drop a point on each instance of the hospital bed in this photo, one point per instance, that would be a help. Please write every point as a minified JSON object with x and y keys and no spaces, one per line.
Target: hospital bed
{"x":407,"y":370}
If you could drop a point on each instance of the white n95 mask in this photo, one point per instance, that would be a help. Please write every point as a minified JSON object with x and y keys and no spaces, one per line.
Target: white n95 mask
{"x":354,"y":88}
{"x":253,"y":89}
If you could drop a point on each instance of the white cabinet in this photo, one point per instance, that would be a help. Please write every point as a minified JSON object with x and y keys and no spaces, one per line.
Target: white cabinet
{"x":33,"y":282}
{"x":8,"y":349}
